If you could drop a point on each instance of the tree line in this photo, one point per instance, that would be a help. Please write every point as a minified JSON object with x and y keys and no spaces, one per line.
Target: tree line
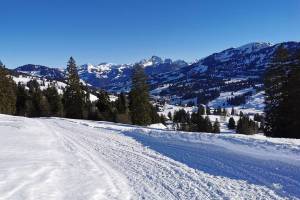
{"x":31,"y":101}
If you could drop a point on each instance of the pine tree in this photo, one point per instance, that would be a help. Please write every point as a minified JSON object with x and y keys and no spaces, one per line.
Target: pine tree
{"x":278,"y":98}
{"x":231,"y":123}
{"x":232,"y":111}
{"x":121,"y":103}
{"x":201,"y":110}
{"x":7,"y":92}
{"x":74,"y":97}
{"x":216,"y":127}
{"x":140,"y":107}
{"x":246,"y":126}
{"x":105,"y":107}
{"x":170,"y":116}
{"x":54,"y":100}
{"x":38,"y":105}
{"x":22,"y":98}
{"x":293,"y":102}
{"x":207,"y":125}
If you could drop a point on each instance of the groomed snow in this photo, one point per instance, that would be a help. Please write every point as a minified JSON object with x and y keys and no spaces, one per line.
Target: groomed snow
{"x":53,"y":158}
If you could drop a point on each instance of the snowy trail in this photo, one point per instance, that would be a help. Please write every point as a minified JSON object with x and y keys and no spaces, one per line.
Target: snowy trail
{"x":76,"y":159}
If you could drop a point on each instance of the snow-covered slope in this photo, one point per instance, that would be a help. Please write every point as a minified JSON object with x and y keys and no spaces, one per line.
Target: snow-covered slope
{"x":56,"y":158}
{"x":227,"y":71}
{"x":45,"y":83}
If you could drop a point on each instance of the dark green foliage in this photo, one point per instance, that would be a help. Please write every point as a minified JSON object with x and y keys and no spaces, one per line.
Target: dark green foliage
{"x":181,"y":116}
{"x":54,"y":100}
{"x":170,"y":116}
{"x":241,"y":114}
{"x":155,"y":118}
{"x":122,"y":104}
{"x":207,"y":125}
{"x":140,"y":107}
{"x":7,"y":92}
{"x":37,"y":104}
{"x":258,"y":117}
{"x":231,"y":123}
{"x":22,"y":98}
{"x":74,"y":97}
{"x":246,"y":126}
{"x":232,"y":111}
{"x":216,"y":127}
{"x":105,"y":107}
{"x":282,"y":88}
{"x":237,"y":100}
{"x":201,"y":110}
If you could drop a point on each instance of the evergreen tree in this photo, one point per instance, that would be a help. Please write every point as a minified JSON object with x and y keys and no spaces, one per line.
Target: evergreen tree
{"x":38,"y":105}
{"x":22,"y":98}
{"x":121,"y":103}
{"x":231,"y":123}
{"x":201,"y":110}
{"x":7,"y":92}
{"x":170,"y":116}
{"x":54,"y":100}
{"x":105,"y":107}
{"x":140,"y":107}
{"x":246,"y":126}
{"x":155,"y":118}
{"x":216,"y":127}
{"x":282,"y":96}
{"x":74,"y":97}
{"x":232,"y":111}
{"x":207,"y":125}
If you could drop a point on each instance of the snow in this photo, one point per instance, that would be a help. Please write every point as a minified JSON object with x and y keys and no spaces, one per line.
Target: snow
{"x":255,"y":103}
{"x":199,"y":69}
{"x":173,"y":108}
{"x":59,"y":85}
{"x":54,"y":158}
{"x":25,"y":79}
{"x":157,"y":126}
{"x":254,"y":46}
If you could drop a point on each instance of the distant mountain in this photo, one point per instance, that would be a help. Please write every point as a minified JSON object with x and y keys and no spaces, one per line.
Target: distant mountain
{"x":246,"y":64}
{"x":106,"y":75}
{"x":42,"y":71}
{"x":178,"y":79}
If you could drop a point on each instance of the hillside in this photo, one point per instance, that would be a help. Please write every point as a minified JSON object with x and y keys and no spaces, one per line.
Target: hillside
{"x":77,"y":159}
{"x":178,"y":82}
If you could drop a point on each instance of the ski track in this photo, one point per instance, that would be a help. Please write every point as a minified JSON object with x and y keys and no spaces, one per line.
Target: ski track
{"x":76,"y":159}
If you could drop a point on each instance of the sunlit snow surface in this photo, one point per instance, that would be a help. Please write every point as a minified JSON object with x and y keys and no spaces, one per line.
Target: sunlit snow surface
{"x":54,"y":158}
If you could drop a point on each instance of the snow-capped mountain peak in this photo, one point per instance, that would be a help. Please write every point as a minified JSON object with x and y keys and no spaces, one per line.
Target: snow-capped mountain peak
{"x":254,"y":46}
{"x":154,"y":60}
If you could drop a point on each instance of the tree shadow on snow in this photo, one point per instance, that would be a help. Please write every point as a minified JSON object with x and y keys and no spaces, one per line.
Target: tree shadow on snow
{"x":281,"y":177}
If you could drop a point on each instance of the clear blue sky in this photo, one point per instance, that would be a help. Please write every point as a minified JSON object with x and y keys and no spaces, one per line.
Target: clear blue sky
{"x":48,"y":32}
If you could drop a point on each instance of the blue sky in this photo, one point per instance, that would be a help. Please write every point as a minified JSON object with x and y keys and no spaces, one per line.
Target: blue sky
{"x":48,"y":32}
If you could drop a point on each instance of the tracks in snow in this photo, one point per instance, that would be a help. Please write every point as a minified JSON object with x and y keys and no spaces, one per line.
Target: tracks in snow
{"x":73,"y":159}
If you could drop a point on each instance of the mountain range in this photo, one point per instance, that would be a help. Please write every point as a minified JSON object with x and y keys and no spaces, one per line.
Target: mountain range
{"x":179,"y":79}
